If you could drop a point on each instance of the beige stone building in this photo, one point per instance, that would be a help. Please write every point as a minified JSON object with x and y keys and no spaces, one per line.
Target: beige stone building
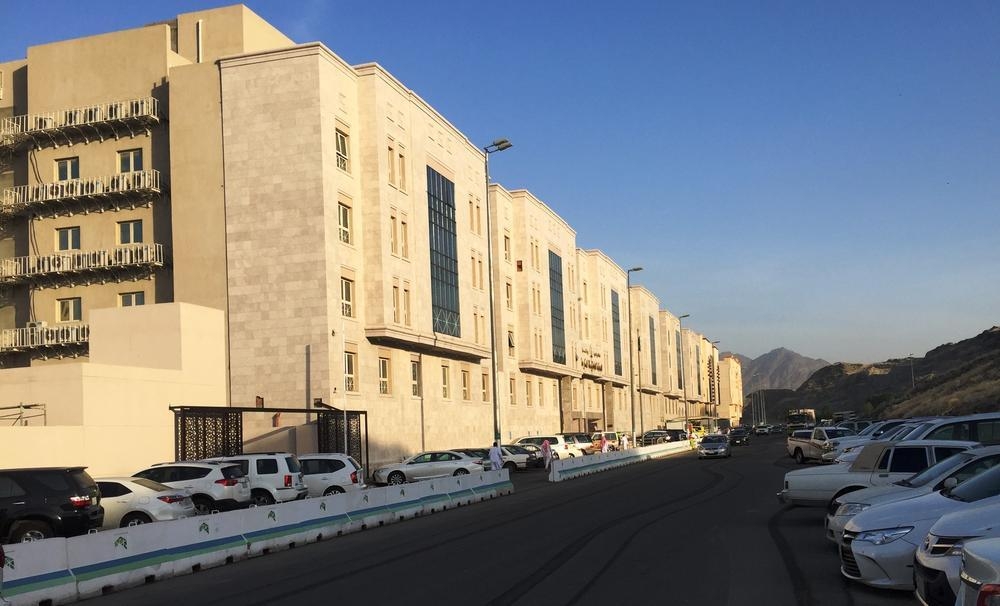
{"x":731,"y":390}
{"x":339,"y":223}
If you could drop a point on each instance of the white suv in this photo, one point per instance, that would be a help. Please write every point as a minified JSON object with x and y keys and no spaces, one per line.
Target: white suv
{"x":329,"y":473}
{"x":213,"y":486}
{"x":560,"y":447}
{"x":275,"y":477}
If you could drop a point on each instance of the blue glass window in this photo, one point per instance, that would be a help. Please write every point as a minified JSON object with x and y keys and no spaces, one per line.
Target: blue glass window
{"x":556,"y":297}
{"x":616,"y":330}
{"x":444,"y":254}
{"x":652,"y":349}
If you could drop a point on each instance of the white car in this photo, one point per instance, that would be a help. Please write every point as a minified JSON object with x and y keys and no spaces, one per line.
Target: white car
{"x":427,"y":465}
{"x":329,"y":473}
{"x":849,"y":444}
{"x":275,"y":477}
{"x":980,"y":574}
{"x":938,"y":561}
{"x":879,"y":464}
{"x":520,"y":456}
{"x":560,"y":448}
{"x":945,"y":474}
{"x":879,"y":544}
{"x":132,"y":501}
{"x":213,"y":486}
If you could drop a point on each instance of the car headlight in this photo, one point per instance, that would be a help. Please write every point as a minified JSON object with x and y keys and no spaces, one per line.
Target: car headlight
{"x":883,"y":536}
{"x":851,"y":509}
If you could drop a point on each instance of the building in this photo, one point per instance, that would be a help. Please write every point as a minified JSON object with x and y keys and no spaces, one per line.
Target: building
{"x":730,"y":390}
{"x":342,"y":225}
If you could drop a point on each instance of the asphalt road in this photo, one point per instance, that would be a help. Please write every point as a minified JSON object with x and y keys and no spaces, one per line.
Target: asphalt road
{"x":674,"y":531}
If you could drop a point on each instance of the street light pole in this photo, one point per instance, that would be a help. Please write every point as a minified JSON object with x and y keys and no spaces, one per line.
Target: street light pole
{"x":680,"y":331}
{"x":913,"y":380}
{"x":716,"y":383}
{"x":631,"y":367}
{"x":497,"y":146}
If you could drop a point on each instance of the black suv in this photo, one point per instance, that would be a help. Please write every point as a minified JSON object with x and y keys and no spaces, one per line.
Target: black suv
{"x":47,"y":502}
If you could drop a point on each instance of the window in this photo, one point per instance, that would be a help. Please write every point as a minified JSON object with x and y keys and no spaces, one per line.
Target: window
{"x":951,"y":431}
{"x":527,"y":393}
{"x":402,"y":171}
{"x":415,"y":377}
{"x":70,"y":310}
{"x":131,"y":299}
{"x":129,"y":232}
{"x":404,"y":240}
{"x":67,"y":168}
{"x":267,"y":466}
{"x":510,"y":343}
{"x":384,"y":384}
{"x":344,"y":218}
{"x":466,"y":385}
{"x":68,"y":238}
{"x":406,"y":306}
{"x":541,"y":394}
{"x":908,"y":460}
{"x":393,"y":244}
{"x":130,"y":161}
{"x":479,"y":219}
{"x":391,"y":161}
{"x":395,"y":304}
{"x":350,"y":367}
{"x":513,"y":391}
{"x":343,"y":151}
{"x":445,"y":308}
{"x":506,"y":247}
{"x":616,"y":332}
{"x":486,"y":387}
{"x":445,"y":381}
{"x":652,"y":353}
{"x":556,"y":307}
{"x":347,"y":297}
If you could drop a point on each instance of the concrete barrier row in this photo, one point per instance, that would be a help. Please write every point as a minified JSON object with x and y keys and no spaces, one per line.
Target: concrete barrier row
{"x":567,"y":469}
{"x":60,"y":571}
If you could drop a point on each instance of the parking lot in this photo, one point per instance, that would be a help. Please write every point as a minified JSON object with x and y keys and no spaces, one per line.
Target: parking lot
{"x":678,"y":531}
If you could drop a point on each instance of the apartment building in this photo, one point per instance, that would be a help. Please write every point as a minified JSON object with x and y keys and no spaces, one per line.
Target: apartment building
{"x":339,"y":221}
{"x":730,"y":390}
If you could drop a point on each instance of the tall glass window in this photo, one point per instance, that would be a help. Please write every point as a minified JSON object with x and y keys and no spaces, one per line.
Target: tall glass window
{"x":680,"y":369}
{"x":556,"y":297}
{"x":616,"y":331}
{"x":652,"y":349}
{"x":444,"y":254}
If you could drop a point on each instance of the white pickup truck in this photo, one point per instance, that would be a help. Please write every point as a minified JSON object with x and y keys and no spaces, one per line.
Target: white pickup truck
{"x":879,"y":463}
{"x":804,"y":445}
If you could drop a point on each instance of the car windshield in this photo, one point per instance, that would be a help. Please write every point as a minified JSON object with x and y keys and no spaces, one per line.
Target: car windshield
{"x":986,"y":484}
{"x":713,"y":440}
{"x":519,"y":450}
{"x":867,"y":431}
{"x":293,"y":464}
{"x":838,"y":433}
{"x":232,"y":471}
{"x":934,"y":471}
{"x":146,"y":483}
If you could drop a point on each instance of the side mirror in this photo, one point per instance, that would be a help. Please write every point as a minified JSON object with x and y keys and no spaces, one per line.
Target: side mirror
{"x":950,"y":483}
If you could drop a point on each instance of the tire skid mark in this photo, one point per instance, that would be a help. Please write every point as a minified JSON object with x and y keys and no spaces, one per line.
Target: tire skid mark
{"x":800,"y":585}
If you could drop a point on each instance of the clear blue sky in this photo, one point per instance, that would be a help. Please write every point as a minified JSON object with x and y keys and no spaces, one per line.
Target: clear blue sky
{"x":821,"y":176}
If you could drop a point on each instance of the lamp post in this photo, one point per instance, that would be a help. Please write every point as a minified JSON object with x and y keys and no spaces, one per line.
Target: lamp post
{"x":715,"y":382}
{"x":631,"y":368}
{"x":913,"y":380}
{"x":497,"y":146}
{"x":680,"y":333}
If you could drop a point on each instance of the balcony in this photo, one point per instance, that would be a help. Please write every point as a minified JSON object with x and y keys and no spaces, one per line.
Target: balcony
{"x":121,"y":262}
{"x":62,"y":339}
{"x":115,"y":191}
{"x":81,"y":124}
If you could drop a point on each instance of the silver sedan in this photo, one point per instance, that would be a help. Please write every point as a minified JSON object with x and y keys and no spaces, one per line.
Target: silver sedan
{"x":714,"y":445}
{"x":427,"y":465}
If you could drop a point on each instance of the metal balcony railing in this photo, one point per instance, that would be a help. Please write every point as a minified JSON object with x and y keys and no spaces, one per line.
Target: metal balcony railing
{"x":116,"y":118}
{"x":24,"y":269}
{"x":22,"y":339}
{"x":23,"y":198}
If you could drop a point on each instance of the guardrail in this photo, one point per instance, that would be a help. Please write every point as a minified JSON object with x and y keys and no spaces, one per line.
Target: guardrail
{"x":64,"y":570}
{"x":19,"y":269}
{"x":133,"y":109}
{"x":21,"y":197}
{"x":568,"y":469}
{"x":20,"y":339}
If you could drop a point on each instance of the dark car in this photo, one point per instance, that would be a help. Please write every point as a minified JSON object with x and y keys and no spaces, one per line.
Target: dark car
{"x":48,"y":502}
{"x":655,"y":436}
{"x":739,"y":436}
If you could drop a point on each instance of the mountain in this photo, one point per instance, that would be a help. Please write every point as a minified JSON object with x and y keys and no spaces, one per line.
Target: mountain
{"x":777,"y":369}
{"x":955,"y":378}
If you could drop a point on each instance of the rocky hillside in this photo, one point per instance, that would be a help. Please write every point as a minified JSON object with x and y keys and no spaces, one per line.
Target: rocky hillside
{"x":777,"y":369}
{"x":956,"y":378}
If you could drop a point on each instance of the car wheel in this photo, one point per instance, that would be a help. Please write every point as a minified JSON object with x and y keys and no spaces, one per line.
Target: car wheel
{"x":461,"y":472}
{"x":134,"y":519}
{"x":395,"y":478}
{"x":572,"y":456}
{"x":202,"y":505}
{"x":799,"y":457}
{"x":32,"y":530}
{"x":509,"y":466}
{"x":261,"y":498}
{"x":333,"y":490}
{"x":555,"y":456}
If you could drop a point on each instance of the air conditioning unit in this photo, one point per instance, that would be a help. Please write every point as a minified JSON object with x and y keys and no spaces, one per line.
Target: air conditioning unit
{"x":39,"y":324}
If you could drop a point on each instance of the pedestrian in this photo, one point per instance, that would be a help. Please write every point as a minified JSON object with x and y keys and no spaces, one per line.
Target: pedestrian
{"x":604,"y":443}
{"x":624,"y":441}
{"x":547,"y":453}
{"x":496,"y":457}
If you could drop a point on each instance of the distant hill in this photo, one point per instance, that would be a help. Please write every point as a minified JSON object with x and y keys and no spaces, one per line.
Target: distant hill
{"x":777,"y":369}
{"x":955,"y":378}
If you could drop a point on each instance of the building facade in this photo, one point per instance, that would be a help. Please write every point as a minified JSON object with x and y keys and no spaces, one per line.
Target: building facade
{"x":343,"y":226}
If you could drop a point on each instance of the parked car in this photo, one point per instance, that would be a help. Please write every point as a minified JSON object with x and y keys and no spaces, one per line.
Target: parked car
{"x":611,"y":436}
{"x":133,"y":501}
{"x":844,"y":447}
{"x":327,"y":473}
{"x":654,"y":436}
{"x":980,"y":573}
{"x":532,"y":449}
{"x":938,"y":561}
{"x":855,"y":426}
{"x":983,"y":428}
{"x":275,"y":477}
{"x":714,"y":445}
{"x":879,"y":464}
{"x":582,"y":442}
{"x":762,"y":430}
{"x":213,"y":486}
{"x":561,"y":449}
{"x":47,"y":502}
{"x":523,"y":456}
{"x":676,"y":435}
{"x":820,"y":441}
{"x":739,"y":436}
{"x":427,"y":465}
{"x":879,"y":544}
{"x":946,"y":473}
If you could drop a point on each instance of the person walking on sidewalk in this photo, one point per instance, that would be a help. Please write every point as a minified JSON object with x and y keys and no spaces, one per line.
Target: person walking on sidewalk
{"x":496,"y":457}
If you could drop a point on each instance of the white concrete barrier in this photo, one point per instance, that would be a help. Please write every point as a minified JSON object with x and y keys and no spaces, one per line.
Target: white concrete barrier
{"x":567,"y":469}
{"x":37,"y":571}
{"x":64,"y":570}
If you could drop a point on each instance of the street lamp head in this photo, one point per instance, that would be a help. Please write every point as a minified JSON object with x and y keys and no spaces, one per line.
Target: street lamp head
{"x":498,"y":145}
{"x":633,"y":269}
{"x":684,"y":316}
